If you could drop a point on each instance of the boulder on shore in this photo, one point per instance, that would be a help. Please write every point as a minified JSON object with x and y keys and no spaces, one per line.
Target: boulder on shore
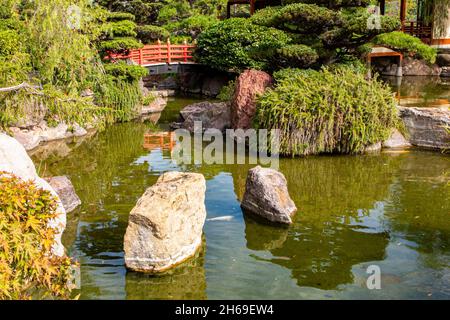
{"x":165,"y":226}
{"x":266,"y":195}
{"x":14,"y":159}
{"x":212,"y":116}
{"x":31,"y":137}
{"x":396,"y":140}
{"x":249,"y":85}
{"x":66,"y":192}
{"x":427,"y":127}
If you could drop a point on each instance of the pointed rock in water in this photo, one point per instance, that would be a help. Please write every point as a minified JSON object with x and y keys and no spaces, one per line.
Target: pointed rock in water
{"x":66,"y":192}
{"x":266,"y":195}
{"x":165,"y":226}
{"x":396,"y":140}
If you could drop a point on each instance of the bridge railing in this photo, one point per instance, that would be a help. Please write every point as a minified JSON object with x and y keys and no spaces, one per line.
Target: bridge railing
{"x":159,"y":53}
{"x":419,"y":30}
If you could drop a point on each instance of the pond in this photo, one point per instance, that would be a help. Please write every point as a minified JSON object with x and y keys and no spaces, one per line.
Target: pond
{"x":421,"y":91}
{"x":390,"y":209}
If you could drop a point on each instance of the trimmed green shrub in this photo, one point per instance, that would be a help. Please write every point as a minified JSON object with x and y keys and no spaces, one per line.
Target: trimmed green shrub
{"x":296,"y":56}
{"x":236,"y":44}
{"x":191,"y":27}
{"x":327,"y":111}
{"x":297,"y":17}
{"x":150,"y":34}
{"x":406,"y":43}
{"x":125,"y":71}
{"x":119,"y":45}
{"x":123,"y":28}
{"x":27,"y":266}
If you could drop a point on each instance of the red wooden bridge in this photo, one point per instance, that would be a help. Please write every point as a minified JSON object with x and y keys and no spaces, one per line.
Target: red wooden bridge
{"x":160,"y":53}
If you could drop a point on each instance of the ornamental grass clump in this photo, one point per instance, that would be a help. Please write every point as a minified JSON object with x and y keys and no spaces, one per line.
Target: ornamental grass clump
{"x":27,"y":266}
{"x":327,"y":111}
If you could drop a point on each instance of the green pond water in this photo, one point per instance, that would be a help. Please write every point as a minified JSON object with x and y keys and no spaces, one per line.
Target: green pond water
{"x":391,"y":209}
{"x":421,"y":91}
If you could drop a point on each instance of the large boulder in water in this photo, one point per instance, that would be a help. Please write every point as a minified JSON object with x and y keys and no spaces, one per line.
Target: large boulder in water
{"x":249,"y":85}
{"x":14,"y":159}
{"x":165,"y":226}
{"x":211,"y":115}
{"x":66,"y":192}
{"x":427,"y":127}
{"x":266,"y":195}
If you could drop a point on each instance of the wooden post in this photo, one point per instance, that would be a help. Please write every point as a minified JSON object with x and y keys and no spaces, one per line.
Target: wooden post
{"x":185,"y":53}
{"x":168,"y":51}
{"x":252,"y":7}
{"x":382,"y":7}
{"x":403,"y":12}
{"x":158,"y":52}
{"x":141,"y":57}
{"x":228,"y":10}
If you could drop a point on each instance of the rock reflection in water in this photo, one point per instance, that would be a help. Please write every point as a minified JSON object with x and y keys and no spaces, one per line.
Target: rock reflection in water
{"x":187,"y":281}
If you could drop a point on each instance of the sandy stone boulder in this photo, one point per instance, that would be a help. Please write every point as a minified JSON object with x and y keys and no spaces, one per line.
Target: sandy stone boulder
{"x":156,"y":106}
{"x":66,"y":192}
{"x":165,"y":226}
{"x":427,"y":126}
{"x":396,"y":140}
{"x":266,"y":195}
{"x":14,"y":159}
{"x":243,"y":105}
{"x":31,"y":137}
{"x":212,"y":116}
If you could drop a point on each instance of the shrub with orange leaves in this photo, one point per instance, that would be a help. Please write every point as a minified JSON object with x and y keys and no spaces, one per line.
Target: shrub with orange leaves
{"x":28,"y":269}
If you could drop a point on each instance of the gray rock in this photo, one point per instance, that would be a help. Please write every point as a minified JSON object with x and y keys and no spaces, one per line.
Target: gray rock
{"x":28,"y":138}
{"x":66,"y":192}
{"x":443,"y":60}
{"x":14,"y":159}
{"x":165,"y":226}
{"x":396,"y":140}
{"x":445,"y":72}
{"x":416,"y":67}
{"x":156,"y":106}
{"x":32,"y":137}
{"x":78,"y":131}
{"x":266,"y":195}
{"x":212,"y":115}
{"x":376,"y":147}
{"x":427,"y":126}
{"x":61,"y":131}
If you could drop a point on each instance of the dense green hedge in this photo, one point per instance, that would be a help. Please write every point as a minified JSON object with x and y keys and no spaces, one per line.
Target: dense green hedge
{"x":237,"y":44}
{"x":327,"y":111}
{"x":406,"y":43}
